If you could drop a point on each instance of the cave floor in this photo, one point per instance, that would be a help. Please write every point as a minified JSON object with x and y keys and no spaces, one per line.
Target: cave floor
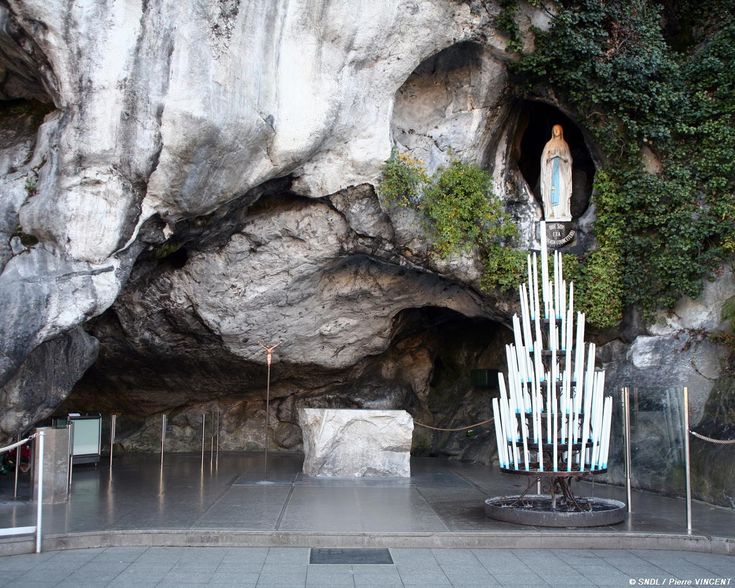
{"x":236,"y":502}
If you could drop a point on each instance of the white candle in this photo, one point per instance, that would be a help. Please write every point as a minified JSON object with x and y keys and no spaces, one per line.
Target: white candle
{"x":514,"y":450}
{"x":562,"y":410}
{"x":538,"y":365}
{"x":579,"y":364}
{"x":552,"y":338}
{"x":530,"y":280}
{"x":554,"y":435}
{"x":538,"y":349}
{"x":595,"y":432}
{"x":548,"y":408}
{"x":517,"y":333}
{"x":561,"y":267}
{"x":524,"y":432}
{"x":589,"y":381}
{"x":540,"y":453}
{"x":502,"y":449}
{"x":535,"y":288}
{"x":557,"y":285}
{"x":508,"y":419}
{"x":527,"y":338}
{"x":570,"y":434}
{"x":606,"y":433}
{"x":512,"y":379}
{"x":544,"y":268}
{"x":571,"y":296}
{"x":563,"y":330}
{"x":534,"y":410}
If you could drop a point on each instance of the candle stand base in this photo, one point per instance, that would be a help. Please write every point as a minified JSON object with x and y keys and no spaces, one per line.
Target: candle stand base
{"x":559,"y":508}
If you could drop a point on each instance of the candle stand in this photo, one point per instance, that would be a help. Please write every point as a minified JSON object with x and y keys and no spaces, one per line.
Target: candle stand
{"x":553,"y":420}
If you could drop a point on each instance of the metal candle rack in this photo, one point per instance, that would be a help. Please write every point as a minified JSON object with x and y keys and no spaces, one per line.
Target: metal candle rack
{"x":552,"y":419}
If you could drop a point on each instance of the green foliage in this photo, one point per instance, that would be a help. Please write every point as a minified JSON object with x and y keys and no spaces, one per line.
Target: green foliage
{"x":403,"y":180}
{"x":728,"y":312}
{"x":503,"y":268}
{"x":465,"y":213}
{"x":460,"y":205}
{"x":600,"y":283}
{"x":505,"y":22}
{"x":462,"y":213}
{"x":610,"y":62}
{"x":167,"y":248}
{"x":26,"y":239}
{"x":31,"y":186}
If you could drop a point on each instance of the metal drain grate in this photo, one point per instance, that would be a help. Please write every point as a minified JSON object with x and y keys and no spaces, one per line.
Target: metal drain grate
{"x":350,"y":556}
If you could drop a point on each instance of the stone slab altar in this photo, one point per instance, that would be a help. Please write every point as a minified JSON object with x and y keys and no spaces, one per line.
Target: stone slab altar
{"x":356,"y":443}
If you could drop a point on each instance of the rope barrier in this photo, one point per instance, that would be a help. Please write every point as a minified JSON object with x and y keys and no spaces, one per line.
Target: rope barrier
{"x":456,"y":429}
{"x":711,"y":440}
{"x":18,"y":444}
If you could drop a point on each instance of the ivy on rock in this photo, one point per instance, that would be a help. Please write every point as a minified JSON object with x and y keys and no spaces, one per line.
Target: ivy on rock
{"x":462,"y":214}
{"x":659,"y":233}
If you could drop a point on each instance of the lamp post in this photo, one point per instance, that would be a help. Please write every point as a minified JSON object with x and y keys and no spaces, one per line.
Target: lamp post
{"x":268,"y":360}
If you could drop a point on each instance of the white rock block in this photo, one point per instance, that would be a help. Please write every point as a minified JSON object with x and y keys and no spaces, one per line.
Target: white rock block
{"x":356,"y":443}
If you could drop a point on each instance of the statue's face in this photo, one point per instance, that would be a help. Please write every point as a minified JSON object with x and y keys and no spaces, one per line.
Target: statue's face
{"x":556,"y":131}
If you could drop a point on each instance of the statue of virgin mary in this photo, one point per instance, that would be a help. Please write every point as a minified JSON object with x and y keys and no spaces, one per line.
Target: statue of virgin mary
{"x":556,"y":177}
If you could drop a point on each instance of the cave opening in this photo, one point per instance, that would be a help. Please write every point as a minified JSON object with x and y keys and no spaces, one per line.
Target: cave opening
{"x":535,"y":122}
{"x":463,"y":357}
{"x":177,"y":259}
{"x":440,"y":111}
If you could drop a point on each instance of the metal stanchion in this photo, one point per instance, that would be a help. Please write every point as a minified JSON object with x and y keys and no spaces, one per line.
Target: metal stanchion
{"x":211,"y":445}
{"x":687,"y":463}
{"x":204,"y":422}
{"x":70,"y":450}
{"x":216,"y":453}
{"x":17,"y":468}
{"x":163,"y":438}
{"x":626,"y":421}
{"x":39,"y":494}
{"x":113,"y":423}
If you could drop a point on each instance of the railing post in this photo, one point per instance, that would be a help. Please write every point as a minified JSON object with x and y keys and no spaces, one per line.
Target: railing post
{"x":163,"y":438}
{"x":39,"y":494}
{"x":626,"y":421}
{"x":216,"y":458}
{"x":687,"y":462}
{"x":211,"y":444}
{"x":17,"y":468}
{"x":113,"y":423}
{"x":204,"y":422}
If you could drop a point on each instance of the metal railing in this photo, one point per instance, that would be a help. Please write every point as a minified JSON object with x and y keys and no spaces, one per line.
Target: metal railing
{"x":37,"y":528}
{"x":625,"y":396}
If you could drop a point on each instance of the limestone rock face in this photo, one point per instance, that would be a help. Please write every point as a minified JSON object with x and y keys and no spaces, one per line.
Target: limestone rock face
{"x":188,"y":179}
{"x":677,"y":350}
{"x":163,"y":112}
{"x":45,"y":379}
{"x":356,"y":443}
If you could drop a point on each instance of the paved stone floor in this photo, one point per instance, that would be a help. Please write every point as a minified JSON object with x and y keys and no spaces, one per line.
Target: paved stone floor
{"x":237,"y":494}
{"x":236,"y":502}
{"x":140,"y":567}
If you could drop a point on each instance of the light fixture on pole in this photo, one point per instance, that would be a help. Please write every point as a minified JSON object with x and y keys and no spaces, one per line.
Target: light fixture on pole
{"x":268,"y":360}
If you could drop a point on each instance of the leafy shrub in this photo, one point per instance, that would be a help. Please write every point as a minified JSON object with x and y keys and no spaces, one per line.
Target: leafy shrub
{"x":403,"y":180}
{"x":462,"y":212}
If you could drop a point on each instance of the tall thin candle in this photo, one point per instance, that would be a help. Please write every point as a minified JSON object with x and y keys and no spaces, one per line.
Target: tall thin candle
{"x":544,"y":269}
{"x":535,"y":288}
{"x":502,"y":447}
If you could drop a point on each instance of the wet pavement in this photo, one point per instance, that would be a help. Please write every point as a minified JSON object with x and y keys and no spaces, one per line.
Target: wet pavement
{"x":442,"y":504}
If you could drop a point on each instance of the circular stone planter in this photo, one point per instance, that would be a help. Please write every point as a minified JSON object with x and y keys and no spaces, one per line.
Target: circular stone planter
{"x":535,"y":509}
